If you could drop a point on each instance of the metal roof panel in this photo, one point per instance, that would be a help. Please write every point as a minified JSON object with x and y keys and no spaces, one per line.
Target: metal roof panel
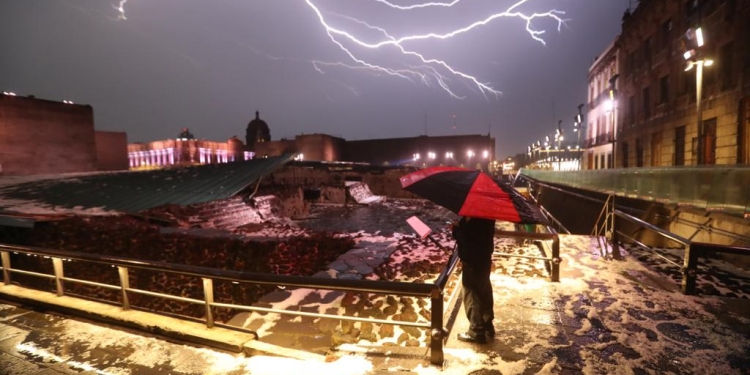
{"x":132,"y":192}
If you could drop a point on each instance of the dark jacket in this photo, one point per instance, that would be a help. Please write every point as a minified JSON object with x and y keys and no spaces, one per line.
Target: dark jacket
{"x":476,"y":240}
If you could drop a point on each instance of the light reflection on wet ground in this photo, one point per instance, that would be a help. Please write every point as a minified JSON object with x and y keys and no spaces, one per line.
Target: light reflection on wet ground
{"x":386,"y":218}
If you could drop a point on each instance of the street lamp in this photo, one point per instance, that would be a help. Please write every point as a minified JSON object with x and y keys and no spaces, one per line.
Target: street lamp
{"x":693,"y":59}
{"x":578,"y":127}
{"x":613,"y":101}
{"x":559,"y":139}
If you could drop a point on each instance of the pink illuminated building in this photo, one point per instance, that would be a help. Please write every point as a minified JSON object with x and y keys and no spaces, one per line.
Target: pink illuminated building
{"x":185,"y":150}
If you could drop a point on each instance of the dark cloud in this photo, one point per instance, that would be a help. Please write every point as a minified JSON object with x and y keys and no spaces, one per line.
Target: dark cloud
{"x":208,"y":65}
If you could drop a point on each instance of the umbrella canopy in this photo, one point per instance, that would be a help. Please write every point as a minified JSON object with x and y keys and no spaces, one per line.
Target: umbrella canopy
{"x":472,"y":193}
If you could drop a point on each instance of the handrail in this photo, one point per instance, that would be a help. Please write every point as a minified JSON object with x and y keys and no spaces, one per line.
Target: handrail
{"x":434,"y":291}
{"x":374,"y":286}
{"x":720,"y":231}
{"x":666,"y":234}
{"x":692,"y":252}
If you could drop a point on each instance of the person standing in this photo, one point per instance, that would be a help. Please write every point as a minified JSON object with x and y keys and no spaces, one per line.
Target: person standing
{"x":475,"y":241}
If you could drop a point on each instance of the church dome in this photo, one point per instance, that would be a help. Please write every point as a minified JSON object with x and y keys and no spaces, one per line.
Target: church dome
{"x":185,"y":135}
{"x":257,"y":131}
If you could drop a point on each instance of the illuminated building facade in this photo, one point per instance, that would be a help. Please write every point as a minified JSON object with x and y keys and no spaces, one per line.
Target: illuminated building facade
{"x":185,"y":150}
{"x":601,"y":119}
{"x":662,"y":123}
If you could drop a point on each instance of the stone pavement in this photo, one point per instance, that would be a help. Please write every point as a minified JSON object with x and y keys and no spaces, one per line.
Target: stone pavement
{"x":604,"y":317}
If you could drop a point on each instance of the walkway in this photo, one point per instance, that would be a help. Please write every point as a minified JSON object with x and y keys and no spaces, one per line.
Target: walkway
{"x":604,"y":317}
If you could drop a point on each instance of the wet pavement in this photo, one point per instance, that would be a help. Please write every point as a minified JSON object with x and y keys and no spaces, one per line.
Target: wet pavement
{"x":604,"y":317}
{"x":383,"y":219}
{"x":38,"y":342}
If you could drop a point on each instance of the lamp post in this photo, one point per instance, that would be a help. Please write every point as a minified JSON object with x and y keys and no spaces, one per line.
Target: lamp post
{"x":578,"y":127}
{"x":559,"y":139}
{"x":528,"y":152}
{"x":537,"y":146}
{"x":613,"y":102}
{"x":693,"y":58}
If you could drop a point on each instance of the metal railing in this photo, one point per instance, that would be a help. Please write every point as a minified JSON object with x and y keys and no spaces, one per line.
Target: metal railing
{"x":548,"y":243}
{"x":688,"y":278}
{"x":208,"y":275}
{"x":693,"y":251}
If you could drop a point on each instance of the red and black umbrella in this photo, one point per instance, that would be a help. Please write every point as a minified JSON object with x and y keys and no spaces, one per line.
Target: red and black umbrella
{"x":472,"y":193}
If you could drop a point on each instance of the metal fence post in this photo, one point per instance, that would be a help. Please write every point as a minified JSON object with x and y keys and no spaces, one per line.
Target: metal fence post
{"x":615,"y":239}
{"x":555,"y":262}
{"x":437,"y":332}
{"x":690,"y":267}
{"x":124,"y":286}
{"x":208,"y":297}
{"x":5,"y":257}
{"x":57,"y":265}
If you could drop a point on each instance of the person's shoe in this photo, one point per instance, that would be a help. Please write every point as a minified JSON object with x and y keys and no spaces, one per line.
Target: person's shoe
{"x":490,"y":332}
{"x":469,"y":337}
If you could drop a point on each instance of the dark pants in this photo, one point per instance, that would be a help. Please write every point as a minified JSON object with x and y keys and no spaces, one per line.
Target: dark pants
{"x":477,"y":296}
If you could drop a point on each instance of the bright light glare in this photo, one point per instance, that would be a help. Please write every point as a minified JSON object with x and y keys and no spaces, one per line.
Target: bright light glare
{"x":609,"y":105}
{"x":470,"y":153}
{"x":486,"y":154}
{"x":699,"y":37}
{"x":431,"y":155}
{"x":449,"y":155}
{"x":708,"y":62}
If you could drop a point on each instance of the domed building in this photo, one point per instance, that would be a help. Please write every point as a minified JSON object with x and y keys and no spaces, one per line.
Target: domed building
{"x":185,"y":150}
{"x":257,"y":132}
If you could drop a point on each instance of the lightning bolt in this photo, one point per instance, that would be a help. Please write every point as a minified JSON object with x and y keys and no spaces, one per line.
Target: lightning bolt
{"x":428,"y":71}
{"x":121,"y":8}
{"x":417,"y":6}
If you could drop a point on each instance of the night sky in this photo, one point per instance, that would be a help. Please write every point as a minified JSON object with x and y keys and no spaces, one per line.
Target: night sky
{"x":208,"y":65}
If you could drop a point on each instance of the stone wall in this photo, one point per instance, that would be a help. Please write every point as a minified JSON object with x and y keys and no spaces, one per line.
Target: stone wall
{"x":234,"y":212}
{"x":111,"y":151}
{"x":41,"y":136}
{"x":329,"y":178}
